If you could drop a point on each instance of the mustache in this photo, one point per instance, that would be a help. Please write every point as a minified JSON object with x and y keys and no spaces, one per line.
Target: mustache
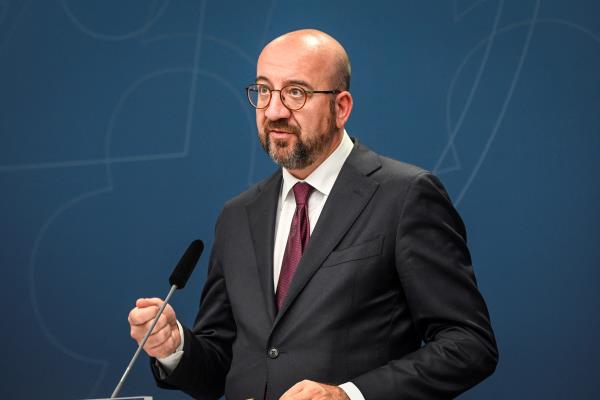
{"x":281,"y":125}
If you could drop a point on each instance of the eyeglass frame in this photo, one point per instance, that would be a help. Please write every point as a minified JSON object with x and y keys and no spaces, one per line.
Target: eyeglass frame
{"x":306,"y":93}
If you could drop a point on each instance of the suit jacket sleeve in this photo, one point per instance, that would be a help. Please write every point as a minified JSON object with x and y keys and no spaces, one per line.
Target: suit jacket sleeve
{"x":434,"y":267}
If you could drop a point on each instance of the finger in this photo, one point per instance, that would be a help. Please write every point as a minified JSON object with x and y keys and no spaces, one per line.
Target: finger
{"x":157,"y":351}
{"x":166,"y":348}
{"x":156,"y":302}
{"x":303,"y":395}
{"x":149,"y":302}
{"x":155,"y":339}
{"x":141,"y":322}
{"x":158,"y":337}
{"x":160,"y":324}
{"x":293,"y":391}
{"x":328,"y":392}
{"x":139,"y":331}
{"x":169,"y":312}
{"x":139,"y":316}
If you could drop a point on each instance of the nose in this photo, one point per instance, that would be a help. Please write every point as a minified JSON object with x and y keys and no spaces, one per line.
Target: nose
{"x":276,"y":109}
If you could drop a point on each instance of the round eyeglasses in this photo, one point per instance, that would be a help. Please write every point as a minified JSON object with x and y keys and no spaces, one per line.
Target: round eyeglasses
{"x":293,"y":97}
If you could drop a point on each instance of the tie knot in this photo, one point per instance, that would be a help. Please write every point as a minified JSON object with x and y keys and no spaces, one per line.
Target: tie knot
{"x":302,"y":191}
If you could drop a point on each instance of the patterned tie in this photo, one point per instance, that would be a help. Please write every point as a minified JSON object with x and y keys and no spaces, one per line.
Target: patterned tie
{"x":297,"y":240}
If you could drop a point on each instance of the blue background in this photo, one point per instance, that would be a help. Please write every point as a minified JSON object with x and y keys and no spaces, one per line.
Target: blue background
{"x":124,"y":128}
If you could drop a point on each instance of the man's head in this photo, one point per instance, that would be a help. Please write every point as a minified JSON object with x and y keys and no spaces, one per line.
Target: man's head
{"x":300,"y":140}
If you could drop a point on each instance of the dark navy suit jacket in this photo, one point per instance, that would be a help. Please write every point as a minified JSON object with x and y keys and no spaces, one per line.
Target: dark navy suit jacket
{"x":384,"y":295}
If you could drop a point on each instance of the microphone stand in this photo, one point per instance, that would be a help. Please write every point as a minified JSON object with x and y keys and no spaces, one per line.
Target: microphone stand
{"x":115,"y":393}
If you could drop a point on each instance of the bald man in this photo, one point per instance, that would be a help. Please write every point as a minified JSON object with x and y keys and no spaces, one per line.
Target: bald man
{"x":344,"y":275}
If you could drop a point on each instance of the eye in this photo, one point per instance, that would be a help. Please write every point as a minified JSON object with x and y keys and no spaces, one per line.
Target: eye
{"x":295,"y":92}
{"x":263,"y":90}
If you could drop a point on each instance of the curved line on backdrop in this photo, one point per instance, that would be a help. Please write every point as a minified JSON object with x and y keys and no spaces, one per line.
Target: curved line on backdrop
{"x":453,"y":133}
{"x":89,"y":194}
{"x":194,"y":80}
{"x":15,"y":21}
{"x":459,"y":15}
{"x":225,"y":43}
{"x":108,"y":161}
{"x":140,"y":157}
{"x":503,"y":30}
{"x":238,"y":50}
{"x":268,"y":20}
{"x":246,"y":57}
{"x":113,"y":38}
{"x":593,"y":35}
{"x":54,"y":341}
{"x":105,"y":160}
{"x":505,"y":104}
{"x":103,"y":364}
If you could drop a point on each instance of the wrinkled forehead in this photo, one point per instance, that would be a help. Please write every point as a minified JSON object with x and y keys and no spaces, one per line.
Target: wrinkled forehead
{"x":290,"y":61}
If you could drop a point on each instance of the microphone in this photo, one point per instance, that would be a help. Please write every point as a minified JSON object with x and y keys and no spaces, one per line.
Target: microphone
{"x":182,"y":271}
{"x":179,"y":277}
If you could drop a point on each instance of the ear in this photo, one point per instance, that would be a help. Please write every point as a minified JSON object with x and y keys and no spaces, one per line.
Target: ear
{"x":343,"y":108}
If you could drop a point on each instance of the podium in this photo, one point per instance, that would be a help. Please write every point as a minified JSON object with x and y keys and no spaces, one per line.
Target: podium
{"x":125,"y":398}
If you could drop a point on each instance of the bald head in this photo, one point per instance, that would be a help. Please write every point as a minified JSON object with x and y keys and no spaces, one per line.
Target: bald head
{"x":314,"y":49}
{"x":302,"y":78}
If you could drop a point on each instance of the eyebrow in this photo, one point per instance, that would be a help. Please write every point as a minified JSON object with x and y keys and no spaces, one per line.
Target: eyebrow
{"x":298,"y":82}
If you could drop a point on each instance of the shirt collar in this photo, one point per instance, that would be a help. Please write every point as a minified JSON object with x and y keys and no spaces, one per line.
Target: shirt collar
{"x":324,"y":176}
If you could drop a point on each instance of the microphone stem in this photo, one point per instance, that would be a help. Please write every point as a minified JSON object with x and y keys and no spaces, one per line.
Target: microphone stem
{"x":142,"y":343}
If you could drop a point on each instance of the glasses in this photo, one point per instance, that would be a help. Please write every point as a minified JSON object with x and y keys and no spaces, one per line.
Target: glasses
{"x":293,"y":97}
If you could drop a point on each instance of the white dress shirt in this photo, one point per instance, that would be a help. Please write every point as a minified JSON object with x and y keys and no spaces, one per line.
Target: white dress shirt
{"x":322,"y":180}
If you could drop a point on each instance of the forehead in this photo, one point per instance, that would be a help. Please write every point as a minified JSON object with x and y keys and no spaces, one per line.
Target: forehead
{"x":284,"y":63}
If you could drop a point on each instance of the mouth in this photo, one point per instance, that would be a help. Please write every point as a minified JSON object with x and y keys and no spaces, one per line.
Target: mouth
{"x":280,"y":134}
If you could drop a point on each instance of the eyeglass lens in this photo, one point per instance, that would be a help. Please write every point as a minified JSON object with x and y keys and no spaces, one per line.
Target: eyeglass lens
{"x":293,"y":97}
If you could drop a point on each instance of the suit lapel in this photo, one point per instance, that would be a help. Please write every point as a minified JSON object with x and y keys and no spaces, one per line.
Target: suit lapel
{"x":350,"y":194}
{"x":261,"y":212}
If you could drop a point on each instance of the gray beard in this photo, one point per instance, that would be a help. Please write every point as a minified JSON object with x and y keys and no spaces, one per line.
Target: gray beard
{"x":300,"y":157}
{"x":304,"y":153}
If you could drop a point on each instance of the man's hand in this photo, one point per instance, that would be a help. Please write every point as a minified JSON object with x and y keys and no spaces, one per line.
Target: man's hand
{"x":309,"y":390}
{"x":165,"y":337}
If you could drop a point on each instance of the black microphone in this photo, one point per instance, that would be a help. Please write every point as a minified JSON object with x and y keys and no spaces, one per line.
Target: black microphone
{"x":185,"y":266}
{"x":179,"y":277}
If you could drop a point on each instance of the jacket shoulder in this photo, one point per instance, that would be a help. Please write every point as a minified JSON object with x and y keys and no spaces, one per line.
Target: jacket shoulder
{"x":385,"y":169}
{"x":247,"y":196}
{"x":400,"y":170}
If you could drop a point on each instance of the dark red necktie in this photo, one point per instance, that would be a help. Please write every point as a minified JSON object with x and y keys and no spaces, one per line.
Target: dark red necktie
{"x":297,"y":240}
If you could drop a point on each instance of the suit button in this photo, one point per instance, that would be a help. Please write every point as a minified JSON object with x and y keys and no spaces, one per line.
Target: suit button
{"x":273,"y":352}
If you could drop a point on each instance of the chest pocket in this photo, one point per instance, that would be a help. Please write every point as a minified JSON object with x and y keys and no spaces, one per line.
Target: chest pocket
{"x":357,"y":252}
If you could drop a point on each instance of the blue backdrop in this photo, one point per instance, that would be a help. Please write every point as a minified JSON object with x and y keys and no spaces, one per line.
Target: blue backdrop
{"x":124,"y":128}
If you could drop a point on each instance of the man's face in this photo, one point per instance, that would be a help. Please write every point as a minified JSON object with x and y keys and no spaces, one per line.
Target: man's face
{"x":296,"y":139}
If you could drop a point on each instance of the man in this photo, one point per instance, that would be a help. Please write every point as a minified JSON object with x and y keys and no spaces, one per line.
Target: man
{"x":382,"y":303}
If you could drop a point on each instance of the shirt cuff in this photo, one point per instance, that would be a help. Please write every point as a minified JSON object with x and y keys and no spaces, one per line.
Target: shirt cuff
{"x":170,"y":362}
{"x":352,"y":391}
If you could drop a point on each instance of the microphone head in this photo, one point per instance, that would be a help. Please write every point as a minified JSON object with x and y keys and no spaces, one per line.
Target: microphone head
{"x":185,"y":266}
